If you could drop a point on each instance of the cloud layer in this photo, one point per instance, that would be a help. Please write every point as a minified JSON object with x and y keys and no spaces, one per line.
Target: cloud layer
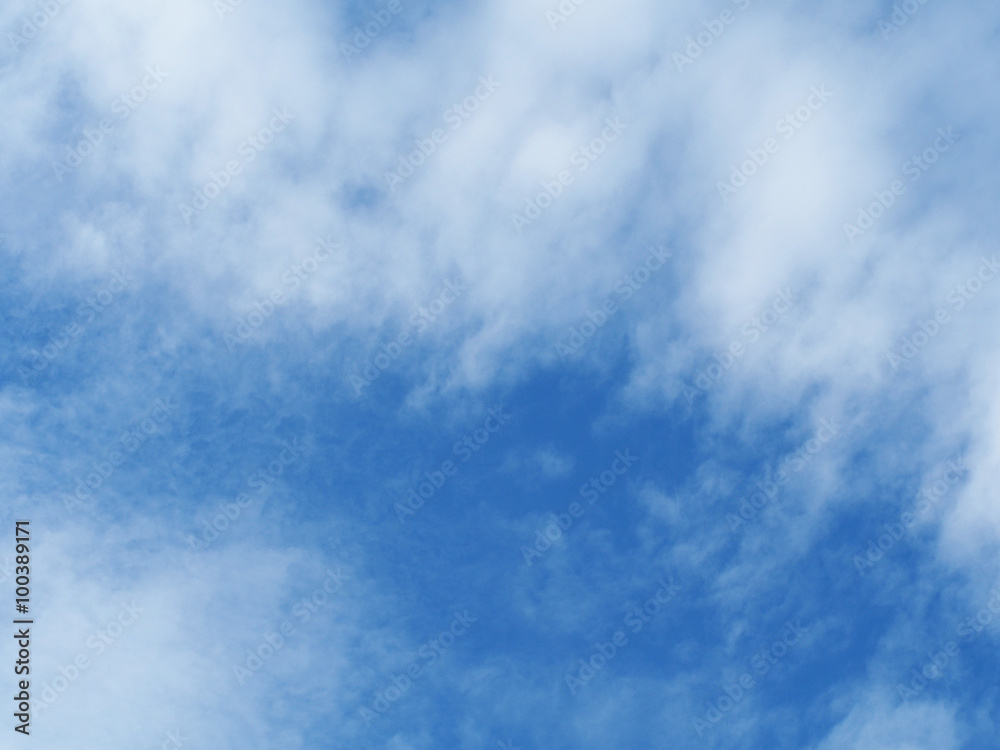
{"x":753,"y":244}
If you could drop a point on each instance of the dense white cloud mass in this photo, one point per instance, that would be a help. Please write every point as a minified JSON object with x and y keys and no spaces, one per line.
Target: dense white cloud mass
{"x":743,"y":240}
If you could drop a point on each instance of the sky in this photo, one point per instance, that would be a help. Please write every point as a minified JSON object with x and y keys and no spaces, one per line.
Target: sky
{"x":514,"y":374}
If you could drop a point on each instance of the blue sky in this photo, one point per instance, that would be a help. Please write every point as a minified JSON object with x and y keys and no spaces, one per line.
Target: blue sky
{"x":511,"y":374}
